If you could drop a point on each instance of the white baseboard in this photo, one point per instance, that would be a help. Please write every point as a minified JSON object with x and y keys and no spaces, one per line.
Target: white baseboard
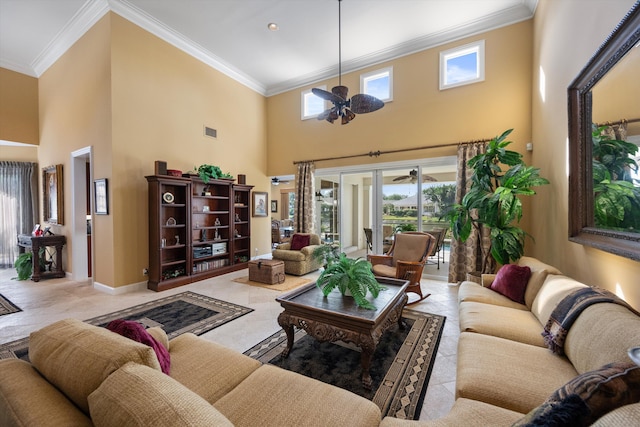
{"x":134,"y":287}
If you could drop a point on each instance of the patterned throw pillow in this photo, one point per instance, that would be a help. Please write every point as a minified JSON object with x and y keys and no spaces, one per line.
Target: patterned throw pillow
{"x":587,"y":397}
{"x":511,"y":281}
{"x":299,"y":241}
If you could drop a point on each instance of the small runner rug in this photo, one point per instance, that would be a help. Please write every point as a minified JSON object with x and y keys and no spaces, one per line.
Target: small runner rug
{"x":176,"y":314}
{"x":290,"y":282}
{"x":7,"y":307}
{"x":400,"y":369}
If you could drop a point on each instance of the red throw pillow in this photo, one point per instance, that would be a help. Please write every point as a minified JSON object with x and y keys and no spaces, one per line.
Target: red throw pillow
{"x":299,"y":241}
{"x":137,"y":332}
{"x":511,"y":281}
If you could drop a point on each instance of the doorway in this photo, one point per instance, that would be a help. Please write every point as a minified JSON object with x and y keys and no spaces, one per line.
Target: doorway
{"x":81,"y":215}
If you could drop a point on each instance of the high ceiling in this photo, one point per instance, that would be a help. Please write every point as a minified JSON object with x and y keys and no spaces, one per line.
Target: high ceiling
{"x":232,"y":35}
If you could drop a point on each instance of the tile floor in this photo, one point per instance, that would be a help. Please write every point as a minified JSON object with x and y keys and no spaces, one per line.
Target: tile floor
{"x":50,"y":300}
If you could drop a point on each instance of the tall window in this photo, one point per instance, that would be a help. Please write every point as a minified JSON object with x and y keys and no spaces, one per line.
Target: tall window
{"x":462,"y":65}
{"x":311,"y":104}
{"x":378,"y":83}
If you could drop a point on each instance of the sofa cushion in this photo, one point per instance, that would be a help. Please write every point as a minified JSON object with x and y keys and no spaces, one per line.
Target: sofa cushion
{"x":135,"y":331}
{"x":136,"y":395}
{"x":27,"y":399}
{"x":589,"y":396}
{"x":554,"y":289}
{"x":465,"y":412}
{"x":624,"y":416}
{"x":299,"y":241}
{"x":76,"y":357}
{"x":539,"y":272}
{"x":470,"y":291}
{"x":602,"y":334}
{"x":511,"y":281}
{"x":160,"y":335}
{"x":274,"y":397}
{"x":506,"y":373}
{"x":513,"y":324}
{"x":207,"y":368}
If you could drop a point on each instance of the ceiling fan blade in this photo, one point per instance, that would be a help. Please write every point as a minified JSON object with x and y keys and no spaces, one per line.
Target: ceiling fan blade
{"x":362,"y":103}
{"x":321,"y":93}
{"x":428,"y":178}
{"x":403,"y":178}
{"x":340,"y":91}
{"x":324,"y":114}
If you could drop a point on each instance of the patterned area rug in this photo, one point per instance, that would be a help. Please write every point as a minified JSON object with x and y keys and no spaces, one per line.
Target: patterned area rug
{"x":176,"y":314}
{"x":7,"y":307}
{"x":290,"y":282}
{"x":400,"y":368}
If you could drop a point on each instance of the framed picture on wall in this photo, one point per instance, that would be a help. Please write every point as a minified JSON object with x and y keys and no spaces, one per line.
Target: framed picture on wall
{"x":260,"y":201}
{"x":274,"y":206}
{"x":101,"y":196}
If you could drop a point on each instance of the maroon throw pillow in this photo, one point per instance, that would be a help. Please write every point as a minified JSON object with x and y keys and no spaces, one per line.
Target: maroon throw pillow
{"x":299,"y":241}
{"x":511,"y":281}
{"x":137,"y":332}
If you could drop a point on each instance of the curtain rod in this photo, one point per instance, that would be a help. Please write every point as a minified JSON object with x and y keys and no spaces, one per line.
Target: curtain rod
{"x":619,"y":122}
{"x":400,"y":150}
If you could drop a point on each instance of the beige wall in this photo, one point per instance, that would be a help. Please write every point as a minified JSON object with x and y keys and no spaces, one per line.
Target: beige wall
{"x":420,"y":114}
{"x":19,"y":153}
{"x":566,"y":34}
{"x":162,"y":99}
{"x":18,"y":107}
{"x":75,"y":112}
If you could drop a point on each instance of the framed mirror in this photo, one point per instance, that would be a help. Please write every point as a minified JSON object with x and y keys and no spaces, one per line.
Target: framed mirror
{"x":53,"y":194}
{"x":604,"y":112}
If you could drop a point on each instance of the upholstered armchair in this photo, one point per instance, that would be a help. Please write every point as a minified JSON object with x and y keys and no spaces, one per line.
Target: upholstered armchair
{"x":298,"y":254}
{"x":405,"y":260}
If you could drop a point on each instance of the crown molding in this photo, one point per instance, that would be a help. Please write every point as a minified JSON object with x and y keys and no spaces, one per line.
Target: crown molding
{"x":80,"y":23}
{"x":501,"y":19}
{"x":18,"y":68}
{"x":157,"y":28}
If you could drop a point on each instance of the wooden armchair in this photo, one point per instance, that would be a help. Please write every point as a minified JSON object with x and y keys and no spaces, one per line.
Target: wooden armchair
{"x":406,"y":260}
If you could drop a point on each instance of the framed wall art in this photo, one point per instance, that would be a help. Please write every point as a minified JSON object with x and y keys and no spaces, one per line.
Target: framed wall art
{"x":101,"y":196}
{"x":274,"y":206}
{"x":53,"y":203}
{"x":260,"y":201}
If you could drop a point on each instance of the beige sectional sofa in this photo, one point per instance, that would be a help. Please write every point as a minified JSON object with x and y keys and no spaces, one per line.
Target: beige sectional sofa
{"x":83,"y":375}
{"x":505,"y":370}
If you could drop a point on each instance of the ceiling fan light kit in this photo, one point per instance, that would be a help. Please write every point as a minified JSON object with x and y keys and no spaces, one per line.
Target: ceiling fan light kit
{"x":343,"y":107}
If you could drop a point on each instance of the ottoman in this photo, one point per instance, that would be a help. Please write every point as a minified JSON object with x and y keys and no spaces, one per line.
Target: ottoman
{"x":266,"y":271}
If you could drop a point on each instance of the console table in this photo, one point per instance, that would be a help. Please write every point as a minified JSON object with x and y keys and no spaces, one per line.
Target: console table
{"x":34,"y":243}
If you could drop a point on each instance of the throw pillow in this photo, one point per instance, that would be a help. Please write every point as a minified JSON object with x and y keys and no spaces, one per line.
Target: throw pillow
{"x":587,"y":397}
{"x":511,"y":281}
{"x":137,"y":332}
{"x":299,"y":241}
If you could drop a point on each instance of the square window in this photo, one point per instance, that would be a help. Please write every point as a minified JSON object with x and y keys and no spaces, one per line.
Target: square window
{"x":311,"y":104}
{"x":462,"y":65}
{"x":378,"y":83}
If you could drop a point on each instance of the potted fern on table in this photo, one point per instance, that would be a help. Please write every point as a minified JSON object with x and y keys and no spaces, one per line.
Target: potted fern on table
{"x":350,"y":276}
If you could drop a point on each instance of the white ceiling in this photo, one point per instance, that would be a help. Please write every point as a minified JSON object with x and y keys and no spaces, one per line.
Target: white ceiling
{"x":232,"y":35}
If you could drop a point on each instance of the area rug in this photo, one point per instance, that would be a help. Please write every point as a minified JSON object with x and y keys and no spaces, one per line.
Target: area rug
{"x":290,"y":282}
{"x":176,"y":314}
{"x":7,"y":307}
{"x":400,"y":369}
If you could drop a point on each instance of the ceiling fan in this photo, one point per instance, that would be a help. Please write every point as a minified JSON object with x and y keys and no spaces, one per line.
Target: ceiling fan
{"x":413,"y":177}
{"x":344,"y":107}
{"x":275,"y":181}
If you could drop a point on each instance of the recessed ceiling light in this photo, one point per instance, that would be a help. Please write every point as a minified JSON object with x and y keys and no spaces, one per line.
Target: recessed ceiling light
{"x":273,"y":26}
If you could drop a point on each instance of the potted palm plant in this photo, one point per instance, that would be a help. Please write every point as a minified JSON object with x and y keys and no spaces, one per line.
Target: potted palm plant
{"x":350,"y":275}
{"x":493,"y":202}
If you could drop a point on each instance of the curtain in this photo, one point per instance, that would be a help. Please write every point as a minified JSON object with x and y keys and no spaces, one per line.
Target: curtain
{"x":18,"y":206}
{"x":304,"y":214}
{"x":466,"y":256}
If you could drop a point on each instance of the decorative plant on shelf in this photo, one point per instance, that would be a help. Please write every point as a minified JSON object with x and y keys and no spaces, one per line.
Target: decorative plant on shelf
{"x":493,"y":202}
{"x":209,"y":172}
{"x":353,"y":275}
{"x":616,"y":198}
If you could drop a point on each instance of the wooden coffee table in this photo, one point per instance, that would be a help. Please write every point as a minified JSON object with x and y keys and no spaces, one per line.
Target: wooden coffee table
{"x":337,"y":318}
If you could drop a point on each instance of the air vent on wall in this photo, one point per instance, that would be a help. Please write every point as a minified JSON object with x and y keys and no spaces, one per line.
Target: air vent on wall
{"x":213,"y":133}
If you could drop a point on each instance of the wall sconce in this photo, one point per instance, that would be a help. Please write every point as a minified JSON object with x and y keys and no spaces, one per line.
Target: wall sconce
{"x":318,"y":196}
